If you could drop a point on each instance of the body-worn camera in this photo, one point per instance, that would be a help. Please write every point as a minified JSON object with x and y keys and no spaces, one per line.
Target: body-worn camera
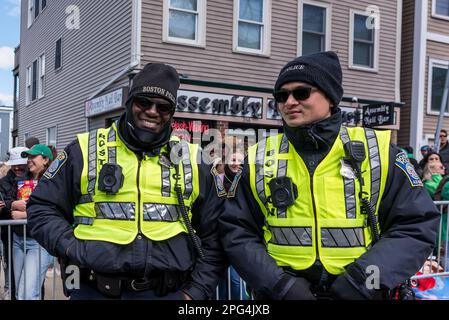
{"x":111,"y":178}
{"x":283,"y":192}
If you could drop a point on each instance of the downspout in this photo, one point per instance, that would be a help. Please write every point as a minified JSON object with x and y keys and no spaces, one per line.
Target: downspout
{"x":419,"y":69}
{"x":136,"y":34}
{"x":135,"y":58}
{"x":397,"y":84}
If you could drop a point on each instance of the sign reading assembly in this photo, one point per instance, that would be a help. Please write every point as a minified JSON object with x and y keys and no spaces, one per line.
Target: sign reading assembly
{"x":273,"y":110}
{"x":219,"y":104}
{"x":105,"y":103}
{"x":379,"y":114}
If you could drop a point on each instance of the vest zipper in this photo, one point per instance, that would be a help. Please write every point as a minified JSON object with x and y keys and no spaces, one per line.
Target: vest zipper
{"x":139,"y":161}
{"x":315,"y":217}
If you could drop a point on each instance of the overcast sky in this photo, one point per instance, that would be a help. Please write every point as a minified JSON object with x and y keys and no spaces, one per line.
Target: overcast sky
{"x":9,"y":39}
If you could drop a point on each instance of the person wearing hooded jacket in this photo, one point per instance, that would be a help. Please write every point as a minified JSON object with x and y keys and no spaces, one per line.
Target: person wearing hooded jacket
{"x":112,"y":204}
{"x":7,"y":191}
{"x":300,"y":216}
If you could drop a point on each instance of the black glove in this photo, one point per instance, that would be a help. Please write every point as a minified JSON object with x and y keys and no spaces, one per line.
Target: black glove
{"x":300,"y":290}
{"x":170,"y":281}
{"x":342,"y":289}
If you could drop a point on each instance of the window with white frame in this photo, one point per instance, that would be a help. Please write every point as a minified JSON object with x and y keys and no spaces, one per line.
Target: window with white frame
{"x":314,"y":33}
{"x":185,"y":22}
{"x":36,"y":8}
{"x":51,"y":136}
{"x":16,"y":89}
{"x":33,"y":10}
{"x":34,"y":81}
{"x":41,"y":82}
{"x":252,"y":26}
{"x":28,"y":85}
{"x":364,"y":41}
{"x":440,"y":8}
{"x":437,"y":79}
{"x":30,"y":12}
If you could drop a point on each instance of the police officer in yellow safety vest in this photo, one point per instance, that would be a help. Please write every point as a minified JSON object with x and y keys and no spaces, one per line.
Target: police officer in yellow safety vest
{"x":323,"y":210}
{"x":130,"y":206}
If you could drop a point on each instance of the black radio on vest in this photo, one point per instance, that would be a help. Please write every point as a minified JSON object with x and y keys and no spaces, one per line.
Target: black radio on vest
{"x":111,"y":178}
{"x":355,"y":155}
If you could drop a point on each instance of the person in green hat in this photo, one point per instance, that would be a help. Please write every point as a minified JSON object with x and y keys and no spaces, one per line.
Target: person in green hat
{"x":27,"y":264}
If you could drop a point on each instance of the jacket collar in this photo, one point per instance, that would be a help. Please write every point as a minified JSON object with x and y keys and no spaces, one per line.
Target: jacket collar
{"x":316,"y":136}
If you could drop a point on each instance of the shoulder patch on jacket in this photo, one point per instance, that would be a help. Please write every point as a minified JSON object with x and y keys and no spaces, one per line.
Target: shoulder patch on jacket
{"x":404,"y":164}
{"x":219,"y":186}
{"x":56,"y":165}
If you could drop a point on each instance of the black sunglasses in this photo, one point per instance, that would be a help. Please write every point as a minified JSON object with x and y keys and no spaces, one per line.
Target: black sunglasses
{"x":162,"y":108}
{"x":299,"y":93}
{"x":442,"y":136}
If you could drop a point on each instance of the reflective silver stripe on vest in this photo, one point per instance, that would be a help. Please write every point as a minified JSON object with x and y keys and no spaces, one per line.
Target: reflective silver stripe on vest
{"x":112,"y":151}
{"x":160,"y":212}
{"x":350,"y":200}
{"x":187,"y":167}
{"x":291,"y":236}
{"x":92,"y":162}
{"x":115,"y":210}
{"x":85,"y":198}
{"x":342,"y":237}
{"x":374,"y":161}
{"x":285,"y":146}
{"x":166,"y":187}
{"x":84,"y":220}
{"x":259,"y":165}
{"x":282,"y":170}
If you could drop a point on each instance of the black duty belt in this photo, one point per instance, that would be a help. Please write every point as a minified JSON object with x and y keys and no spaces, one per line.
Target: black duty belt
{"x":114,"y":286}
{"x":320,"y":280}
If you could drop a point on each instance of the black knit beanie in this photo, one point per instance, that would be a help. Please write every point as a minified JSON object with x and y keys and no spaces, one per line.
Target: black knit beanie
{"x":321,"y":69}
{"x":156,"y":80}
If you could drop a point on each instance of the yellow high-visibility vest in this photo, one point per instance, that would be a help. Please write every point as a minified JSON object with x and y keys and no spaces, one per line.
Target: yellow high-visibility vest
{"x":325,"y":221}
{"x":147,"y":200}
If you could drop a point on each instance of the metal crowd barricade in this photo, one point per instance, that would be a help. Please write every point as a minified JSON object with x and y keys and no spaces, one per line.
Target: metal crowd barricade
{"x":228,"y":286}
{"x":437,"y":264}
{"x":6,"y":266}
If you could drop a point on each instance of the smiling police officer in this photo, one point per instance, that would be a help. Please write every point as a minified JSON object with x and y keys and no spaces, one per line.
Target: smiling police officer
{"x":321,"y":207}
{"x":129,"y":205}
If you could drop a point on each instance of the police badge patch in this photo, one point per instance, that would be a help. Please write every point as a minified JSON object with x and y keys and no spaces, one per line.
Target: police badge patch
{"x":404,"y":164}
{"x":56,"y":165}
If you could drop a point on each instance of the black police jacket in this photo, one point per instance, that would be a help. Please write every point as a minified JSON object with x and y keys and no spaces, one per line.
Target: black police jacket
{"x":407,"y":216}
{"x":50,"y":217}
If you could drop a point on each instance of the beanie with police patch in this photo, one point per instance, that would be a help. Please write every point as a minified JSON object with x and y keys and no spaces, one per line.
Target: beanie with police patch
{"x":156,"y":80}
{"x":321,"y":70}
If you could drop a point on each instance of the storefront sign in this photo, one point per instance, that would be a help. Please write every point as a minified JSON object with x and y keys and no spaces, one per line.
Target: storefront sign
{"x":273,"y":111}
{"x":219,"y":104}
{"x":110,"y":101}
{"x":380,"y":114}
{"x":350,"y":116}
{"x":185,"y":129}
